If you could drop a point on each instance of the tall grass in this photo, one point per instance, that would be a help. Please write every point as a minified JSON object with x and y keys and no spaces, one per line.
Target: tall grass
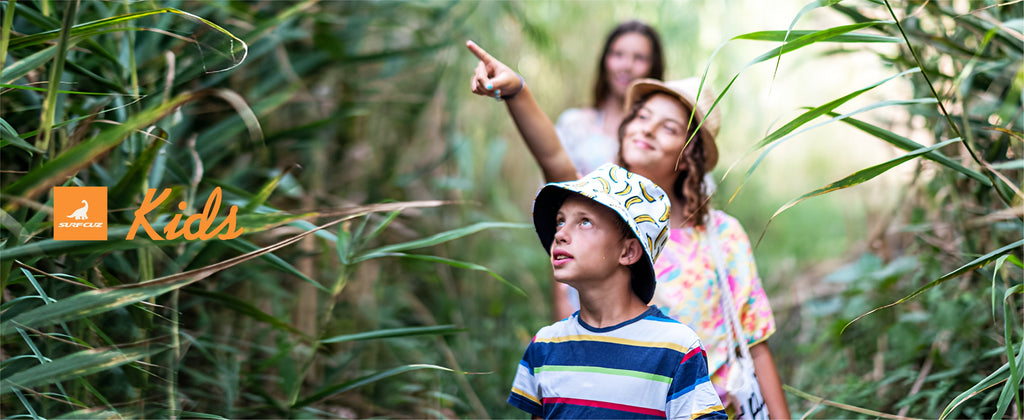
{"x":385,"y":269}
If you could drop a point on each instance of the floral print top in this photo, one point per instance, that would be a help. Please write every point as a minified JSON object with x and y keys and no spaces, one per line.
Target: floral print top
{"x":687,"y":290}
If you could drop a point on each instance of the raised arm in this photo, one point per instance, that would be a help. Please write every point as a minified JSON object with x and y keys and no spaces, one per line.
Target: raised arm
{"x":494,"y":79}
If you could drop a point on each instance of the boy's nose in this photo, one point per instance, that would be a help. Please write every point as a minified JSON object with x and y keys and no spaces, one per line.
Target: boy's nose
{"x":561,"y":236}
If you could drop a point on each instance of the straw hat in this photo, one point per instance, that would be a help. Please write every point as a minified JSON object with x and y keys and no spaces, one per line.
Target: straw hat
{"x":685,"y":91}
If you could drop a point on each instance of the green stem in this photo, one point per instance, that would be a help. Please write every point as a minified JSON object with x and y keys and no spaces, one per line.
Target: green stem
{"x":172,"y":405}
{"x":5,"y":32}
{"x":996,"y":182}
{"x":322,"y":324}
{"x":53,"y":86}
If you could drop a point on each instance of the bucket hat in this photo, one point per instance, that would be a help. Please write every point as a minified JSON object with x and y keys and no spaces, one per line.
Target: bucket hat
{"x":685,"y":91}
{"x":640,"y":203}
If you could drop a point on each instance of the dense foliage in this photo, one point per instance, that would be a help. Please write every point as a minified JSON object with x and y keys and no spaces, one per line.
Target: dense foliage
{"x":385,"y":269}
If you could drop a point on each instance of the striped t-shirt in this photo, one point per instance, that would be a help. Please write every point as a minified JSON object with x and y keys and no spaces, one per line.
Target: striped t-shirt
{"x":648,"y":367}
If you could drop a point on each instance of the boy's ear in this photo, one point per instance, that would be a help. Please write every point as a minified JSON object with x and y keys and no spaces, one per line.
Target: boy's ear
{"x":631,"y":251}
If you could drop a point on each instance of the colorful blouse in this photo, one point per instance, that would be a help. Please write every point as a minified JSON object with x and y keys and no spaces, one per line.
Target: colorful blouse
{"x":687,"y":290}
{"x":581,"y":133}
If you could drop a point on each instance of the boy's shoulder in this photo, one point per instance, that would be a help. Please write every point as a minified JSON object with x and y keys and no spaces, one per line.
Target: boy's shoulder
{"x":663,"y":328}
{"x":653,"y":327}
{"x":558,"y":328}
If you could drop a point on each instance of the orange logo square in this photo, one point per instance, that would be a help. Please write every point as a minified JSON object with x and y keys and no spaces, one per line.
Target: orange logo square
{"x":80,"y":213}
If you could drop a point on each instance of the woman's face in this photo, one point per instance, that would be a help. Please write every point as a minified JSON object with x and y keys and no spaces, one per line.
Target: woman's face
{"x":653,"y":140}
{"x":629,"y":58}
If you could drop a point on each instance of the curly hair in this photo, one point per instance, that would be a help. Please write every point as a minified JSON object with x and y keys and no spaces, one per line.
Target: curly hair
{"x":688,"y":187}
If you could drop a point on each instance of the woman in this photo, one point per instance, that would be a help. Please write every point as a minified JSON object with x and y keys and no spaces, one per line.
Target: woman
{"x":631,"y":51}
{"x":668,"y":136}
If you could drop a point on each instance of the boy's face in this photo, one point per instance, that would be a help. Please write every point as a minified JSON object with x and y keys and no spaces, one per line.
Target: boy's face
{"x":588,"y":243}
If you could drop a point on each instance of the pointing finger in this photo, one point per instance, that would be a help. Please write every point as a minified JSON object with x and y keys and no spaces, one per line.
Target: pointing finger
{"x":479,"y":52}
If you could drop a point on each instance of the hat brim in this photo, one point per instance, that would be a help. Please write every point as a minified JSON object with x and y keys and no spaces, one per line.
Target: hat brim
{"x":642,"y":87}
{"x":545,"y":210}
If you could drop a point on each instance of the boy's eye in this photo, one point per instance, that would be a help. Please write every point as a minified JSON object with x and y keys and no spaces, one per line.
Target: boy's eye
{"x":585,"y":222}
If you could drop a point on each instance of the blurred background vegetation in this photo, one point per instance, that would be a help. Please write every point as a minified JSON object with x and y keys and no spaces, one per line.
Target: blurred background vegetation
{"x":419,"y":301}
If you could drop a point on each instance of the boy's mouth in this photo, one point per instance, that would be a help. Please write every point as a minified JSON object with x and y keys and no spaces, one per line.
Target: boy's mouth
{"x":560,"y":257}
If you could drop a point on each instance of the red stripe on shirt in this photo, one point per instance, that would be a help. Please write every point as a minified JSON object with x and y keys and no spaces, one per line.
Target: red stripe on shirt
{"x":607,"y":405}
{"x":691,"y":353}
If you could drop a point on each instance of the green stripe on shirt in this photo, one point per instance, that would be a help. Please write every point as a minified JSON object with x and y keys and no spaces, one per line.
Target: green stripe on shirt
{"x":606,"y":371}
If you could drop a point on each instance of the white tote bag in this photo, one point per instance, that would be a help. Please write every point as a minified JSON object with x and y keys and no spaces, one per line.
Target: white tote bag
{"x":742,"y":383}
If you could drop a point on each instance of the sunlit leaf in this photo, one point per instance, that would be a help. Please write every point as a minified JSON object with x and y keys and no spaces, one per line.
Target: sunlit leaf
{"x":908,"y":145}
{"x":779,"y":36}
{"x":862,"y":175}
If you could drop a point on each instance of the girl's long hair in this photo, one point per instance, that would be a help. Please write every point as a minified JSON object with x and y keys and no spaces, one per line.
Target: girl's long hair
{"x":688,"y":187}
{"x":601,"y":89}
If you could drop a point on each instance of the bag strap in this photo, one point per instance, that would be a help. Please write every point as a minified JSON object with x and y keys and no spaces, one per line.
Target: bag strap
{"x":735,"y":332}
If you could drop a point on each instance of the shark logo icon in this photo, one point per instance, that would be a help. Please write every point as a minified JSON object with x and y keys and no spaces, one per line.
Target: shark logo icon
{"x":80,"y":214}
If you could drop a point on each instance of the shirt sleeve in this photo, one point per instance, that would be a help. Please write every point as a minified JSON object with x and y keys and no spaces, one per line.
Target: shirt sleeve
{"x":526,"y":393}
{"x":691,"y":394}
{"x":753,"y":307}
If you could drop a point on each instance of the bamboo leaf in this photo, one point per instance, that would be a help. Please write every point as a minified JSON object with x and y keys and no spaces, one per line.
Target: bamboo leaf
{"x":862,"y":176}
{"x":806,"y":9}
{"x":102,"y":300}
{"x":395,"y":332}
{"x":245,"y":308}
{"x":96,"y":413}
{"x":116,"y":235}
{"x":134,"y":179}
{"x":781,"y":36}
{"x":237,"y":51}
{"x":908,"y":145}
{"x":778,"y":137}
{"x":56,"y":170}
{"x":361,"y":381}
{"x":995,"y":378}
{"x":76,"y":365}
{"x":22,"y":67}
{"x":453,"y":263}
{"x":274,"y":260}
{"x":812,"y":38}
{"x":8,"y":135}
{"x":438,"y":239}
{"x":971,"y":266}
{"x":823,"y":110}
{"x":264,"y":192}
{"x":841,"y":406}
{"x":1011,"y":391}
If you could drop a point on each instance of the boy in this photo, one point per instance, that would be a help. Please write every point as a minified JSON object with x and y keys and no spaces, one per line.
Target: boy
{"x":616,"y":357}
